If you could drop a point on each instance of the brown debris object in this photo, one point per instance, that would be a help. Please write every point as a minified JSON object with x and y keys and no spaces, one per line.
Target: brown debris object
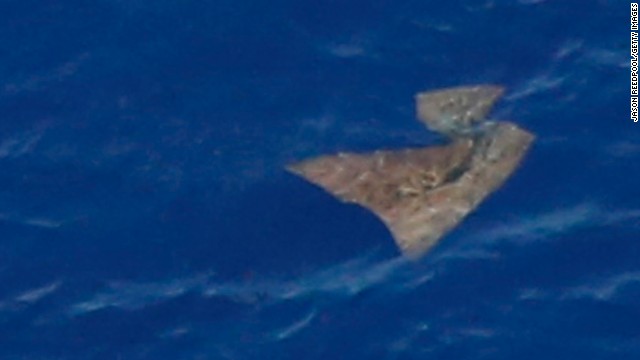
{"x":421,"y":194}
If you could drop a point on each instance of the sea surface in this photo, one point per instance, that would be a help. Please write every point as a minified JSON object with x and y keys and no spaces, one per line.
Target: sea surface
{"x":145,"y":212}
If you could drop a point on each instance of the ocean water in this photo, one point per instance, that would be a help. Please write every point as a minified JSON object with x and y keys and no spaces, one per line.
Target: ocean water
{"x":145,"y":212}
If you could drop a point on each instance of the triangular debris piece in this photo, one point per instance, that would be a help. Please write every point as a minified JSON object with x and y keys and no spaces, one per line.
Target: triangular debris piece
{"x":421,"y":194}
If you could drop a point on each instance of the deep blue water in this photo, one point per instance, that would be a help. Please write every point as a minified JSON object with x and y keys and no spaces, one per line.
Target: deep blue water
{"x":145,"y":212}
